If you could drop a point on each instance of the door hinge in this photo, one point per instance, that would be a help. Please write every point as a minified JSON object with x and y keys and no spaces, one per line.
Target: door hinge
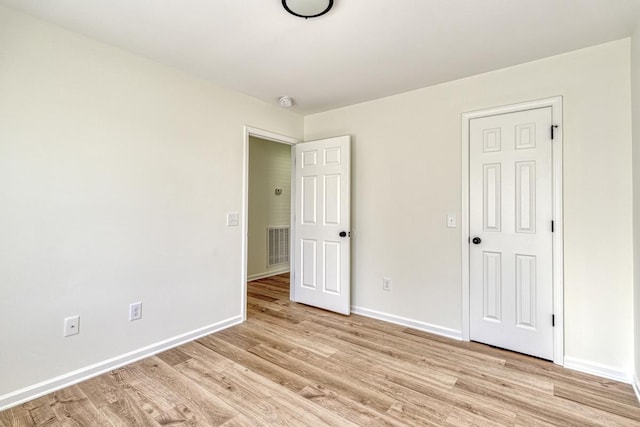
{"x":552,"y":226}
{"x":553,"y":320}
{"x":552,"y":131}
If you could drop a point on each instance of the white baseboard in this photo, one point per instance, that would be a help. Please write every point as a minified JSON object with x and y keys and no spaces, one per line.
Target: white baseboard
{"x":636,"y":386}
{"x":597,"y":369}
{"x":45,"y":387}
{"x":410,"y":323}
{"x":265,"y":275}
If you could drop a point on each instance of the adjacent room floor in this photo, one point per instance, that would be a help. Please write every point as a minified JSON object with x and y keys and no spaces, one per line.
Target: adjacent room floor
{"x":290,"y":364}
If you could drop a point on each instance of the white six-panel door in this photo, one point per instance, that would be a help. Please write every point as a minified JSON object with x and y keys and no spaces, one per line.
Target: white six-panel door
{"x":511,"y":260}
{"x":322,"y":214}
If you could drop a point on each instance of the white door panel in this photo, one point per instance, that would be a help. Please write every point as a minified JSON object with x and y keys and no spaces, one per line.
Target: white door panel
{"x":322,"y":212}
{"x":511,"y":270}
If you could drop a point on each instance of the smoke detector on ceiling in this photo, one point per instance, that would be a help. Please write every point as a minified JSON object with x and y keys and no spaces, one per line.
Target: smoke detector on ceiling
{"x":286,"y":101}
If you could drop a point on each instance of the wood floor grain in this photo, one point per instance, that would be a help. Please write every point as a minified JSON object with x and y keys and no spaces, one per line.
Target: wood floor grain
{"x":291,"y":364}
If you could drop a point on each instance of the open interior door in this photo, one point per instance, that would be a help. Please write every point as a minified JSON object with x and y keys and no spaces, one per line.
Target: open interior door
{"x":322,"y":223}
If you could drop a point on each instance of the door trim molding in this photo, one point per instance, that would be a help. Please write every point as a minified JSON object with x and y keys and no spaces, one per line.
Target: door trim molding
{"x":557,"y":246}
{"x":247,"y":132}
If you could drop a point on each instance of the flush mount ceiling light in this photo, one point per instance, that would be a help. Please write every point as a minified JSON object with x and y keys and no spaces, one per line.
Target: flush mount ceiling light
{"x":307,"y":8}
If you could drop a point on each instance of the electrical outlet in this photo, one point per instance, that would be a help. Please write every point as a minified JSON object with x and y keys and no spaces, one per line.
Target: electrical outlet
{"x":386,"y":284}
{"x":135,"y":311}
{"x":71,"y":326}
{"x":451,"y":220}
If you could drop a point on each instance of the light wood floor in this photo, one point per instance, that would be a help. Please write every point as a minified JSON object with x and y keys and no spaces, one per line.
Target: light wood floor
{"x":290,"y":364}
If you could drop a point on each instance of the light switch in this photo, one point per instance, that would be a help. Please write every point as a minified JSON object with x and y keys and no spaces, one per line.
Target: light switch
{"x":451,"y":221}
{"x":233,"y":219}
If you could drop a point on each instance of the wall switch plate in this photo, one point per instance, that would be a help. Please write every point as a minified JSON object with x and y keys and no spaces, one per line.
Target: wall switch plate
{"x":233,"y":219}
{"x":135,"y":311}
{"x":71,"y":326}
{"x":386,"y":284}
{"x":451,"y":221}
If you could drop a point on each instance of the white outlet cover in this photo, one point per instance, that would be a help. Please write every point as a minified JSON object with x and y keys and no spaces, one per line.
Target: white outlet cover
{"x":451,"y":221}
{"x":71,"y":326}
{"x":135,"y":311}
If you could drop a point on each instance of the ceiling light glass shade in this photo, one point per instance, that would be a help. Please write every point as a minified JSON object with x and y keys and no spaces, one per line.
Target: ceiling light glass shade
{"x":307,"y":8}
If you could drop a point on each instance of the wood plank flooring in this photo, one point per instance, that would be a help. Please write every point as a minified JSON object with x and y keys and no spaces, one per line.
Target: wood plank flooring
{"x":290,"y":364}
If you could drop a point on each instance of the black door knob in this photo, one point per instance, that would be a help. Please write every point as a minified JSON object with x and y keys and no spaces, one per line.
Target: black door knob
{"x":343,"y":234}
{"x":476,"y":240}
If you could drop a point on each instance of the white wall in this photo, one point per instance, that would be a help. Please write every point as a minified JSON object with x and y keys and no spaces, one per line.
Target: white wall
{"x":116,"y":174}
{"x":406,"y":178}
{"x":269,"y":167}
{"x":635,"y":93}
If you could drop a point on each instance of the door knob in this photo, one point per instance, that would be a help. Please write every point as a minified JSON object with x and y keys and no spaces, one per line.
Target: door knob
{"x":476,"y":240}
{"x":343,"y":234}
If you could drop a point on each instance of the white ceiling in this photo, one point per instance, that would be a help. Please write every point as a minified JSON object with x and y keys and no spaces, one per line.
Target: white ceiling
{"x":360,"y":50}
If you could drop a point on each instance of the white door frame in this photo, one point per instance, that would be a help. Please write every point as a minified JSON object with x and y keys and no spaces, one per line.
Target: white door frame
{"x":282,"y":139}
{"x":557,"y":246}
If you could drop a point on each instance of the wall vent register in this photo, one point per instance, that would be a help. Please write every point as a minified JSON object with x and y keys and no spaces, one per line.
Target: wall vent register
{"x":277,"y":245}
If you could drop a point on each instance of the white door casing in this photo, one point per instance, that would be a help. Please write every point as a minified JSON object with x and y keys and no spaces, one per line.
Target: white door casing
{"x":321,"y":213}
{"x":510,"y":217}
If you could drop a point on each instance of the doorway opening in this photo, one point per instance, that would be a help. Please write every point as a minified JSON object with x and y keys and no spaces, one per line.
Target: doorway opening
{"x":269,"y":208}
{"x":267,"y":212}
{"x":319,"y":237}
